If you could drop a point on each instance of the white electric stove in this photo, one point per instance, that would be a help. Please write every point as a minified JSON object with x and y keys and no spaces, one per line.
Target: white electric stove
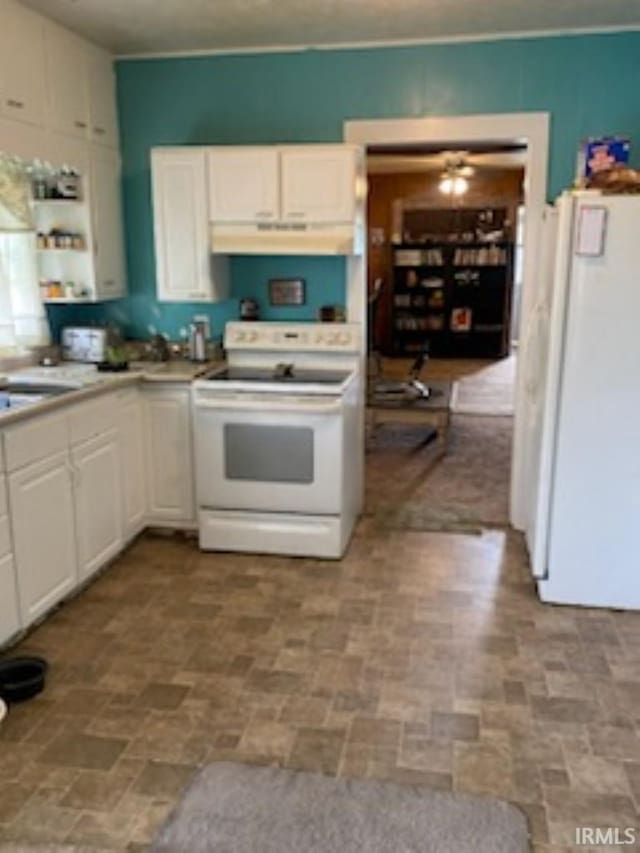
{"x":279,"y":440}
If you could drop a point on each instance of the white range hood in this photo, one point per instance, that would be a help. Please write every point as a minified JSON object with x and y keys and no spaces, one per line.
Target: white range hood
{"x":277,"y":238}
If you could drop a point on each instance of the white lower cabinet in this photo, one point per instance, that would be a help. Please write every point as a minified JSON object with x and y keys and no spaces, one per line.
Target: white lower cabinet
{"x":9,"y":616}
{"x":97,"y":498}
{"x":42,"y":519}
{"x":133,"y":462}
{"x":82,"y":482}
{"x":169,"y":456}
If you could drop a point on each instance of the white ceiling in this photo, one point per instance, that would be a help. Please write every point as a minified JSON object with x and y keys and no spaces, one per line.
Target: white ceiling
{"x":165,"y":26}
{"x":391,"y":164}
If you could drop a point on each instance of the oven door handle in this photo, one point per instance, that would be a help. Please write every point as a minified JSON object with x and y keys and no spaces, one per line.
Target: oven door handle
{"x":294,"y":407}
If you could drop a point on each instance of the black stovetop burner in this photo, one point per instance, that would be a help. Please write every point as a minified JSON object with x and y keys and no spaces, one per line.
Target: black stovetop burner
{"x":285,"y":373}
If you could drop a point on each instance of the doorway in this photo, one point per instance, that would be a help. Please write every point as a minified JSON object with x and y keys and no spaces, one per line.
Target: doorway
{"x":528,"y":130}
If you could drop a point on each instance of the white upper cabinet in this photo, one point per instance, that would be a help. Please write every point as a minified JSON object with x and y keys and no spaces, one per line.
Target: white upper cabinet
{"x":307,"y":184}
{"x":68,"y":88}
{"x":24,"y":140}
{"x":106,"y":210}
{"x":50,"y":76}
{"x":22,"y":74}
{"x":244,"y":184}
{"x":319,"y":183}
{"x":103,"y":117}
{"x":185,"y":268}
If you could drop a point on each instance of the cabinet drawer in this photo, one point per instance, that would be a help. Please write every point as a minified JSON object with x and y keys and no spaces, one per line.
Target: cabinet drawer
{"x":92,"y":418}
{"x":34,"y":440}
{"x":5,"y":536}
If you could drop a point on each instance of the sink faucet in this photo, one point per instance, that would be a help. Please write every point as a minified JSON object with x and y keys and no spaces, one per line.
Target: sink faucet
{"x":158,"y":348}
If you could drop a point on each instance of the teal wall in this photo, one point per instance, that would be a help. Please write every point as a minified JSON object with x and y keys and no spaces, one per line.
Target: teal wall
{"x":589,"y":84}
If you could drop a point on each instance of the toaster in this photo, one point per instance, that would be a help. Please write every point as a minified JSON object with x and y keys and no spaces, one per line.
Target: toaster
{"x":87,"y":344}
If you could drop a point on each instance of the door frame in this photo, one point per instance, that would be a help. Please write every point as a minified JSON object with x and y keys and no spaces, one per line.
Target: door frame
{"x":532,"y":129}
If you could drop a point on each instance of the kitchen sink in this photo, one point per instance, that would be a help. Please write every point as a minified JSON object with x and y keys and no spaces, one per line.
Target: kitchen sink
{"x":44,"y":389}
{"x":15,"y":395}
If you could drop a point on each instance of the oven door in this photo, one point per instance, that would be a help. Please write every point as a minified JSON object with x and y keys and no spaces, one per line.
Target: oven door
{"x":269,"y":453}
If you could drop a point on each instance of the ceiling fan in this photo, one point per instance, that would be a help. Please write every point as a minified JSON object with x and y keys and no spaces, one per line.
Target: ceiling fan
{"x":454,"y":180}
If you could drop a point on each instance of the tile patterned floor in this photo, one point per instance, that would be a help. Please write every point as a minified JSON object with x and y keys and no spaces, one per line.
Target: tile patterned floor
{"x":422,"y":658}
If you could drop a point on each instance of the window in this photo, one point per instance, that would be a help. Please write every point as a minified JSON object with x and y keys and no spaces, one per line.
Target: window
{"x":22,"y":318}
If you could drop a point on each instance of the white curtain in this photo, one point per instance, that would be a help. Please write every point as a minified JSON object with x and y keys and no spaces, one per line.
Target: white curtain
{"x":23,"y":321}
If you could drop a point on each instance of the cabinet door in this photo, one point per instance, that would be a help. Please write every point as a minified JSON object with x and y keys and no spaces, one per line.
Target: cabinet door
{"x":319,"y":183}
{"x":9,"y":618}
{"x":243,"y":184}
{"x":22,"y":72}
{"x":68,"y":89}
{"x":132,"y":455}
{"x":42,"y":520}
{"x":24,"y":140}
{"x":98,"y":507}
{"x":169,"y":455}
{"x":9,"y":615}
{"x":180,"y":221}
{"x":103,"y":124}
{"x":106,"y":211}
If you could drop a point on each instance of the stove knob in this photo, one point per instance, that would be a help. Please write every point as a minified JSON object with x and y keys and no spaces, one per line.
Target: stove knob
{"x":345,"y":338}
{"x":252,"y":337}
{"x":319,"y":338}
{"x":240,"y":335}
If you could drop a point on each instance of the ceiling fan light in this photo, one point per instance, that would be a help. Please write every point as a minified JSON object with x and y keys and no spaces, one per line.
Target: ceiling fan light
{"x":459,"y":185}
{"x":446,"y":185}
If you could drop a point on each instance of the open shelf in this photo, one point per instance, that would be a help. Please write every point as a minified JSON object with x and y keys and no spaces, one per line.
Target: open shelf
{"x":67,"y":300}
{"x":60,"y":202}
{"x":67,"y":267}
{"x":60,"y":251}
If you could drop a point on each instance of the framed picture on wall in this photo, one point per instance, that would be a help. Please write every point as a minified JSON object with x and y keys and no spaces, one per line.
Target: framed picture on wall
{"x":287,"y":291}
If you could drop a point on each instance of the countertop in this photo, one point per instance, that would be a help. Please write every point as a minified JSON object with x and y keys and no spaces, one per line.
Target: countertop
{"x":172,"y":371}
{"x":176,"y":371}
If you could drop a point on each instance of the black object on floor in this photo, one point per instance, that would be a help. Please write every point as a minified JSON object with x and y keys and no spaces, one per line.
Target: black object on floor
{"x":21,"y":678}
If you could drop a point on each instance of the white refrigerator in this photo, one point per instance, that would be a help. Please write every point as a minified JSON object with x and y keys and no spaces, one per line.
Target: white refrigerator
{"x":582,"y":381}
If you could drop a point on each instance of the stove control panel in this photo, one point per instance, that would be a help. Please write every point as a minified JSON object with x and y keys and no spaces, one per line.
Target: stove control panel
{"x":295,"y":337}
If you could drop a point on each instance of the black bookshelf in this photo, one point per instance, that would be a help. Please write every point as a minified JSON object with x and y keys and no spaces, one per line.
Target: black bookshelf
{"x":456,"y":296}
